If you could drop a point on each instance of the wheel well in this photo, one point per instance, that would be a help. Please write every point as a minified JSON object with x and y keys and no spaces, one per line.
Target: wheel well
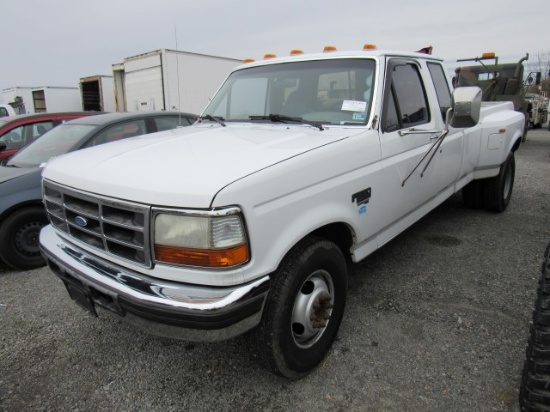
{"x":18,"y":207}
{"x":339,"y":233}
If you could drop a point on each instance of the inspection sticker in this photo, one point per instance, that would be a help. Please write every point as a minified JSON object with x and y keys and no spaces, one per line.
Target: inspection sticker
{"x":354,"y":105}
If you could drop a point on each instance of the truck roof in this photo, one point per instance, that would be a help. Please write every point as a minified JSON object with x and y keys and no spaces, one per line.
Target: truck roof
{"x":371,"y":53}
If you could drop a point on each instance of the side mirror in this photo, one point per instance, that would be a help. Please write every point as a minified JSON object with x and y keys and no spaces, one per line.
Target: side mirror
{"x":2,"y":146}
{"x":466,"y":107}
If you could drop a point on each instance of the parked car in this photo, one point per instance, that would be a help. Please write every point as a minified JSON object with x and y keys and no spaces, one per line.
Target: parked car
{"x":18,"y":131}
{"x":21,"y":211}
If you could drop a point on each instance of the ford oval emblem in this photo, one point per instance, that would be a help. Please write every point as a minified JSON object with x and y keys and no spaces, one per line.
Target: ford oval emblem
{"x":81,"y":221}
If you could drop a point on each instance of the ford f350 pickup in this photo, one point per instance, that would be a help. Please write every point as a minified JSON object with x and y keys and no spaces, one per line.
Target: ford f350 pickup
{"x":249,"y":218}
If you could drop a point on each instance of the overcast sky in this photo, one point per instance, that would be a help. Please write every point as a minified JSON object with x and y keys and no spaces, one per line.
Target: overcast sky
{"x":56,"y":42}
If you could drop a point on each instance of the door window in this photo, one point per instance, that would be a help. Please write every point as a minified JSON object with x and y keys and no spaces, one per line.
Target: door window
{"x":406,"y":104}
{"x":441,"y":87}
{"x":22,"y":135}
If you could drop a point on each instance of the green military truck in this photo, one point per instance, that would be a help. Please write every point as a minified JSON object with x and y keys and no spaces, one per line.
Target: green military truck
{"x":499,"y":82}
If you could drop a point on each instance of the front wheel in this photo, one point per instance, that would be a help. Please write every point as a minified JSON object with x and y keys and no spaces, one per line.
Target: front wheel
{"x":19,"y":238}
{"x":304,"y":308}
{"x":498,"y":190}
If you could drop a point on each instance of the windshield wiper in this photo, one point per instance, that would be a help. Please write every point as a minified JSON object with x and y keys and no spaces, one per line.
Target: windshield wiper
{"x":279,"y":118}
{"x":217,"y":119}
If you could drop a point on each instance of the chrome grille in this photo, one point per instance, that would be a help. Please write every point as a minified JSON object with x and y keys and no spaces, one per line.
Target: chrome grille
{"x":117,"y":227}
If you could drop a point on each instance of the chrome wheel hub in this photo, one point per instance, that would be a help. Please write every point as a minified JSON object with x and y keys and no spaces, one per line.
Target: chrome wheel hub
{"x":312,"y":309}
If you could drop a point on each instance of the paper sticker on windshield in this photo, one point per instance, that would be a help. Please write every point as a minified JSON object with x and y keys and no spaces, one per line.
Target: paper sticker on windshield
{"x":354,"y":105}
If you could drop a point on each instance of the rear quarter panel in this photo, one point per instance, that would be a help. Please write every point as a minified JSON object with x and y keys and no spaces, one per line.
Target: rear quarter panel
{"x":500,"y":131}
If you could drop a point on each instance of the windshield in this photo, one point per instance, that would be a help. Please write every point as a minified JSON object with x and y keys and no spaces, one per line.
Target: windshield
{"x":61,"y":139}
{"x":328,"y":91}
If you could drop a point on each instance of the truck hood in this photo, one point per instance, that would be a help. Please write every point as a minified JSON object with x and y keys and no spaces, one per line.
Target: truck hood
{"x":186,"y":167}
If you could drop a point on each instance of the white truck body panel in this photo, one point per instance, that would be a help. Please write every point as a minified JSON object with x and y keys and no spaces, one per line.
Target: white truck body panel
{"x":143,"y":83}
{"x":172,"y":80}
{"x":56,"y":99}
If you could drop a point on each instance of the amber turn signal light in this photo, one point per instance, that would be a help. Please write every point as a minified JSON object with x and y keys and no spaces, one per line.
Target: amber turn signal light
{"x":213,"y":258}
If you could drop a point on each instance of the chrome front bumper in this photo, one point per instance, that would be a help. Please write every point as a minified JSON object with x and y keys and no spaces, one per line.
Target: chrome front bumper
{"x":163,"y":308}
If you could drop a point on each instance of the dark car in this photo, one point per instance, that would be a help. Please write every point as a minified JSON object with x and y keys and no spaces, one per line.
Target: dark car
{"x":20,"y":130}
{"x":22,"y":214}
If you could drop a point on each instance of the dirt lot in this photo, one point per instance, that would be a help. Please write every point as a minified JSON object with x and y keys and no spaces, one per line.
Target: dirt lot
{"x":437,"y":320}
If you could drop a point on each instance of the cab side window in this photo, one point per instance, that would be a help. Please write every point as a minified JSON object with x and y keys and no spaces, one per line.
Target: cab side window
{"x":441,"y":86}
{"x":405,"y":102}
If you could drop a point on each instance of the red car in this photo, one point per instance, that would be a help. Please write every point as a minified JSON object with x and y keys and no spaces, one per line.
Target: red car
{"x":18,"y":131}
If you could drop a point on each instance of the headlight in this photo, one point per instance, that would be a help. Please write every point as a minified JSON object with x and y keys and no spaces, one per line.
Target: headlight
{"x":210,"y":240}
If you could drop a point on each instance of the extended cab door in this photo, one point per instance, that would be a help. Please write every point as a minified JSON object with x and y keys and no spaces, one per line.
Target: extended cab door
{"x":448,"y":160}
{"x":405,"y":107}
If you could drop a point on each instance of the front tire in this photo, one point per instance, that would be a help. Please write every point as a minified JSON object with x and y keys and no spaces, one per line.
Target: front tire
{"x":304,"y":308}
{"x":498,"y":190}
{"x":535,"y":383}
{"x":19,"y":238}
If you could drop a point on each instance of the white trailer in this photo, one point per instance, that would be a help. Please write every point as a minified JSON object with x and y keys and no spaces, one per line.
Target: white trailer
{"x":169,"y":80}
{"x":20,"y":98}
{"x":96,"y":93}
{"x":56,"y":99}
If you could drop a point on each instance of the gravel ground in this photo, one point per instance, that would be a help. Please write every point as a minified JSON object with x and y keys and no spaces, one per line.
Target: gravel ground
{"x":437,"y":320}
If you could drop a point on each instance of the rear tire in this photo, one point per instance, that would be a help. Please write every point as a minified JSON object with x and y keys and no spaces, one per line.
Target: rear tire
{"x":535,"y":383}
{"x":498,"y":190}
{"x":304,"y":308}
{"x":19,"y":238}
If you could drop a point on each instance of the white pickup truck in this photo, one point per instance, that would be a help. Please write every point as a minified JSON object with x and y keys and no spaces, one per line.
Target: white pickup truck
{"x":248,"y":219}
